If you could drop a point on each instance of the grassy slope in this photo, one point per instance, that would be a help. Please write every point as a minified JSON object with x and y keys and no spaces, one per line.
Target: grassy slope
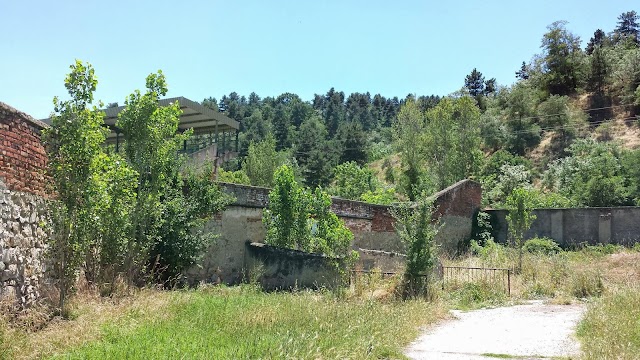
{"x":611,"y":327}
{"x":241,"y":322}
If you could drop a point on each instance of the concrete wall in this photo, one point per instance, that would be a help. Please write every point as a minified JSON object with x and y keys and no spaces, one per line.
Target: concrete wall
{"x":455,"y":207}
{"x":22,"y":206}
{"x":372,"y":225}
{"x":571,"y":227}
{"x":276,"y":268}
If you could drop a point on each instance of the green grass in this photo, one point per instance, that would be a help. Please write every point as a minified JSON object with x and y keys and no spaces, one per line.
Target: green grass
{"x":242,"y":322}
{"x":611,"y":326}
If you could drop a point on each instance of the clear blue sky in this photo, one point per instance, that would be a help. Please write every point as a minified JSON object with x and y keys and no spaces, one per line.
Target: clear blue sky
{"x":210,"y":48}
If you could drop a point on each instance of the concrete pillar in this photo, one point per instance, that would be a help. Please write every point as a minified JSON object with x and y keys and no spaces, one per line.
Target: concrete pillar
{"x":557,"y":226}
{"x":604,"y":227}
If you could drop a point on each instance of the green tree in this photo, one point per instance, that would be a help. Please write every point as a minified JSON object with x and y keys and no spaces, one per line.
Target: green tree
{"x":520,"y":218}
{"x":557,"y":113}
{"x":187,"y":206}
{"x":593,"y":175}
{"x":234,"y":177}
{"x":74,"y":148}
{"x":598,"y":40}
{"x":299,"y":219}
{"x":452,"y":140}
{"x":562,"y":60}
{"x":523,"y":73}
{"x":286,"y":216}
{"x":256,"y":129}
{"x":628,"y":26}
{"x":474,"y":82}
{"x":352,"y":181}
{"x":520,"y":113}
{"x":352,"y":141}
{"x":408,"y":129}
{"x":314,"y":154}
{"x":151,"y":147}
{"x":262,"y":161}
{"x":417,"y":231}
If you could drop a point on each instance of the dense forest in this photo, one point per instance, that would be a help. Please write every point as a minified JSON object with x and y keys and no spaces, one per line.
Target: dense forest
{"x":566,"y":129}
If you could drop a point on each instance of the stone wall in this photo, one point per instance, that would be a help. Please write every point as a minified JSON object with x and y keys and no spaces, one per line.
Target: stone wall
{"x":22,"y":206}
{"x":572,"y":227}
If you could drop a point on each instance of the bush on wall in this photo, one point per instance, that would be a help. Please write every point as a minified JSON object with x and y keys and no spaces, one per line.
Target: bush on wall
{"x":300,"y":219}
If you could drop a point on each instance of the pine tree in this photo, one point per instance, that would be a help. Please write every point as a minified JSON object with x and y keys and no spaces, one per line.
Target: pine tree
{"x":597,"y":40}
{"x":474,"y":82}
{"x":628,"y":26}
{"x":523,"y":73}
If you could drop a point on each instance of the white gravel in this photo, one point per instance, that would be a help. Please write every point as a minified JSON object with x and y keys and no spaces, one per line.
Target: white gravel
{"x":532,"y":331}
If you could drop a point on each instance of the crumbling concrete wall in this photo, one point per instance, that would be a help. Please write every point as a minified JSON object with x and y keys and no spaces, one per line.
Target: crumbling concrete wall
{"x":455,"y":208}
{"x":372,"y":225}
{"x":284,"y":269}
{"x":22,"y":206}
{"x":572,"y":227}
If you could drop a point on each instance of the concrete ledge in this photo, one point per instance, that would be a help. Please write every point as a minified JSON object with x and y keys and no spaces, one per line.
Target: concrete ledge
{"x":284,"y":269}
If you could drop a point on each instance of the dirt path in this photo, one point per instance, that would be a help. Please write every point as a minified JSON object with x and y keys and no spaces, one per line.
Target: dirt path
{"x":531,"y":331}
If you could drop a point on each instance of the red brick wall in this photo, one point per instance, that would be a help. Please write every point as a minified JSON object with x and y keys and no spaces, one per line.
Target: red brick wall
{"x":22,"y":156}
{"x":460,"y":199}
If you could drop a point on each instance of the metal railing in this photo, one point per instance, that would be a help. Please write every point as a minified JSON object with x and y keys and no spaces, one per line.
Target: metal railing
{"x":458,"y":274}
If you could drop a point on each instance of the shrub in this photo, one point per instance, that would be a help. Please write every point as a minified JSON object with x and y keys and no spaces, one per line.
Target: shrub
{"x":234,"y":177}
{"x":542,"y":245}
{"x":416,"y":229}
{"x":586,"y":283}
{"x":299,"y":219}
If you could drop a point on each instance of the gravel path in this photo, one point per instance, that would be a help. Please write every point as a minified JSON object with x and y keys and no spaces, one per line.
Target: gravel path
{"x":531,"y":331}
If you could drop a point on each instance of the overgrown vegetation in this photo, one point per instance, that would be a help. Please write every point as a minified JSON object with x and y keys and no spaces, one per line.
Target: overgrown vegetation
{"x":301,"y":219}
{"x":416,"y":228}
{"x":569,"y":120}
{"x":610,"y":329}
{"x":133,"y":217}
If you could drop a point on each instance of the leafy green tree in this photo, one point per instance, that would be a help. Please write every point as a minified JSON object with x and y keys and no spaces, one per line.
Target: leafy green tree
{"x":520,"y":218}
{"x":593,"y":175}
{"x":562,"y":60}
{"x":329,"y":234}
{"x":283,"y":129}
{"x":299,"y":219}
{"x":333,"y":111}
{"x":381,"y":195}
{"x":185,"y":212}
{"x":452,"y":140}
{"x":523,"y":73}
{"x":599,"y":70}
{"x":256,"y":129}
{"x":115,"y":194}
{"x":351,"y":181}
{"x":520,"y":113}
{"x":262,"y":161}
{"x":416,"y":229}
{"x":286,"y":215}
{"x":151,"y":147}
{"x":557,"y":114}
{"x":74,"y":148}
{"x":408,"y":132}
